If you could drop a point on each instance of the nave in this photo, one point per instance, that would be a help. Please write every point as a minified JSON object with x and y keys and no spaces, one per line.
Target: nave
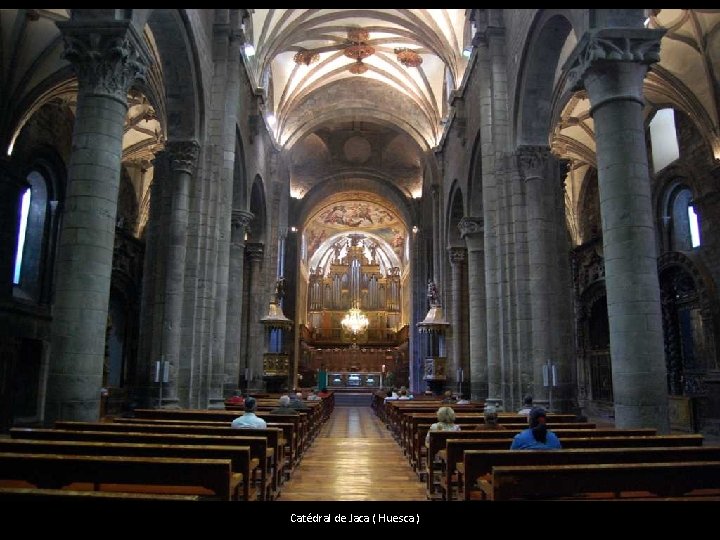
{"x":354,"y":458}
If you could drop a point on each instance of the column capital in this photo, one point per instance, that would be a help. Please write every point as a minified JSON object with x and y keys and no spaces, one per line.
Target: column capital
{"x":108,"y":56}
{"x":239,"y":223}
{"x":611,"y":51}
{"x":532,"y":161}
{"x":457,"y":254}
{"x":470,"y":226}
{"x":183,"y":155}
{"x":255,"y":251}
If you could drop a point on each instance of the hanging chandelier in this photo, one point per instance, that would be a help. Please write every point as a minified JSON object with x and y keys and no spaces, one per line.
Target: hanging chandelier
{"x":355,"y":321}
{"x":358,"y":49}
{"x":408,"y":57}
{"x":307,"y":57}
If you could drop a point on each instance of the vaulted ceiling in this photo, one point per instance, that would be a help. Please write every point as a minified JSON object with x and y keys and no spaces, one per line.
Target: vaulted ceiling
{"x":305,"y":60}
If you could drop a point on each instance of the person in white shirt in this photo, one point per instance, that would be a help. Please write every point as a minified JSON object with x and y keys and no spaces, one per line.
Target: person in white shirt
{"x":527,"y":405}
{"x":249,"y":419}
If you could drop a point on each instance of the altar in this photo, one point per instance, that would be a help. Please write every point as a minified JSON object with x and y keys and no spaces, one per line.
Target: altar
{"x":354,"y":379}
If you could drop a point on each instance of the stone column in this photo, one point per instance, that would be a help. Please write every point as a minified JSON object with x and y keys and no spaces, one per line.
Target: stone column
{"x":533,"y":165}
{"x":435,"y":202}
{"x":256,"y":339}
{"x":611,"y":65}
{"x":12,"y":187}
{"x":107,"y":57}
{"x":458,"y":359}
{"x":183,"y":159}
{"x":240,"y":220}
{"x":471,"y":229}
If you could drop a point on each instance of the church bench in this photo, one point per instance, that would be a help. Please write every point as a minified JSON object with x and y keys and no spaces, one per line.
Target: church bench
{"x":479,"y":463}
{"x":420,"y":427}
{"x":300,"y":420}
{"x":274,"y":454}
{"x":474,"y":457}
{"x":420,"y":451}
{"x":52,"y":495}
{"x":288,"y":430}
{"x":438,"y":440}
{"x":148,"y":474}
{"x":602,"y":480}
{"x":239,"y":456}
{"x":258,"y":445}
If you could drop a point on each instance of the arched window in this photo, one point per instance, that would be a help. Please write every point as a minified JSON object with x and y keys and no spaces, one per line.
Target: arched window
{"x":31,"y":239}
{"x":682,"y":220}
{"x":22,"y":230}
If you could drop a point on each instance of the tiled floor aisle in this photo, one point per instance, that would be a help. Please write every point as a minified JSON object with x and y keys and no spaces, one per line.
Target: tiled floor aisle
{"x":354,"y":459}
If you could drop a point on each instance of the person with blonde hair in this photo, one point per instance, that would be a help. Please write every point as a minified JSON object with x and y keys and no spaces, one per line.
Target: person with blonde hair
{"x":446,"y":422}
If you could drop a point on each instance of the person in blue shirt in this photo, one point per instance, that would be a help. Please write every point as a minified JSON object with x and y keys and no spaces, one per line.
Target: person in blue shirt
{"x":249,"y":419}
{"x":537,"y":436}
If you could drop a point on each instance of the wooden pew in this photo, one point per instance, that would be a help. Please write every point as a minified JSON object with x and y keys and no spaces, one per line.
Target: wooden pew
{"x":143,"y":473}
{"x":274,"y":451}
{"x":258,"y":445}
{"x":53,"y":495}
{"x":241,"y":461}
{"x":474,"y":458}
{"x":439,"y":438}
{"x":605,"y":480}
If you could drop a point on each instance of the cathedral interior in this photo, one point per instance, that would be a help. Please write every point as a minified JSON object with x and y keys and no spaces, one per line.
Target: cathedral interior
{"x":500,"y":202}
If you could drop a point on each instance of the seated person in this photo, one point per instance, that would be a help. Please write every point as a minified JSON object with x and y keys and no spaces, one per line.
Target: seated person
{"x":464,"y":400}
{"x":527,"y":405}
{"x":236,"y":398}
{"x":491,"y":419}
{"x":404,"y":394}
{"x":448,"y":397}
{"x":249,"y":419}
{"x":392,"y":395}
{"x":297,"y":403}
{"x":284,"y":406}
{"x":538,"y":436}
{"x":446,"y":422}
{"x":323,"y":393}
{"x":312,"y":396}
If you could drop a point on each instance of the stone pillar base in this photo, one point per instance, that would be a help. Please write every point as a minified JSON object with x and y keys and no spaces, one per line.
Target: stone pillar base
{"x":216,"y":403}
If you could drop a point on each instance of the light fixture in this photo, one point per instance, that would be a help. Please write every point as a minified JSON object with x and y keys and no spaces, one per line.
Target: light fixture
{"x":415,"y":229}
{"x":355,"y":321}
{"x":358,"y":49}
{"x":408,"y":57}
{"x":271,"y":120}
{"x":293,"y":229}
{"x":249,"y":50}
{"x":306,"y":57}
{"x":467,"y":51}
{"x":358,"y":68}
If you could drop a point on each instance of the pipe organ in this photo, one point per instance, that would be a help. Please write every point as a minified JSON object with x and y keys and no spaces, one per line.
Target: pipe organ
{"x":354,"y":281}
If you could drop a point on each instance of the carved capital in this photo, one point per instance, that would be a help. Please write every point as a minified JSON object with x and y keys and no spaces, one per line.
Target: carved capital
{"x":239,"y":224}
{"x":471,"y":226}
{"x":457,"y":254}
{"x":532,"y":161}
{"x":183,"y":155}
{"x":606,"y":46}
{"x":108,"y":57}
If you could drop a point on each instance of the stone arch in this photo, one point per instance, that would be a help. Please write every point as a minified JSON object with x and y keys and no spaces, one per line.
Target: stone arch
{"x":174,"y":38}
{"x":474,"y":182}
{"x":351,"y":182}
{"x":534,"y":98}
{"x":455,"y":212}
{"x":240,"y":187}
{"x":258,"y":226}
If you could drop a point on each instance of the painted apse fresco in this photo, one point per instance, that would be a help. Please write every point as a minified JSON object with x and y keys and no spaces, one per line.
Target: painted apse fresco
{"x":361,"y":212}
